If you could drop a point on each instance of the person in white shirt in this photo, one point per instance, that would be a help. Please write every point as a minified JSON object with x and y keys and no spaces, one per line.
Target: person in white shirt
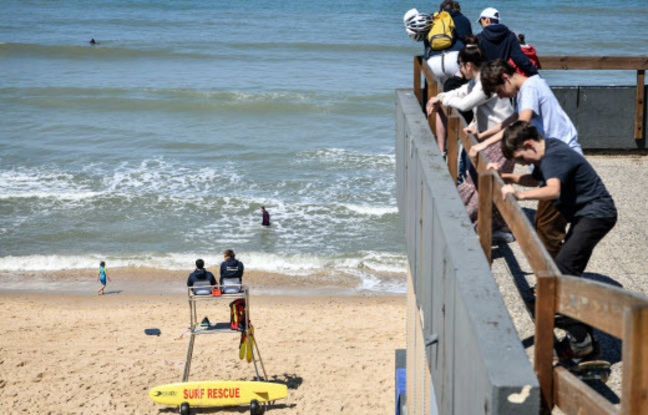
{"x":488,"y":111}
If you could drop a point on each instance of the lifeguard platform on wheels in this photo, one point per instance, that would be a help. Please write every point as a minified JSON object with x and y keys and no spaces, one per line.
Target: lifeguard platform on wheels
{"x":220,"y":327}
{"x":210,"y":393}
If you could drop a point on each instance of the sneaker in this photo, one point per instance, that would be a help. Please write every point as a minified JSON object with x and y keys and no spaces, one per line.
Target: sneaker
{"x":501,"y":236}
{"x":570,"y":349}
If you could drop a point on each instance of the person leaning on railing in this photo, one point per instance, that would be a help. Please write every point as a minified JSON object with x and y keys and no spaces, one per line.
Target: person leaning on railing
{"x":576,"y":190}
{"x":536,"y":103}
{"x":488,"y":111}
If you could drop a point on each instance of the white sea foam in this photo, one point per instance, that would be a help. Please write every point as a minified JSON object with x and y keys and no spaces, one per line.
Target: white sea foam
{"x":368,"y":266}
{"x":348,"y":158}
{"x":372,"y":210}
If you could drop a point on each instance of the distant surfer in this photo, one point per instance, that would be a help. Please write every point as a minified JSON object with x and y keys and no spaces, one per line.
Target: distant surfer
{"x":266,"y":217}
{"x":92,"y":42}
{"x":102,"y":276}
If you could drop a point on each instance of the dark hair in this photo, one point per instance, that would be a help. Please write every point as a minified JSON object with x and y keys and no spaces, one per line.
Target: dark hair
{"x":450,"y":5}
{"x":491,"y":74}
{"x":472,"y":52}
{"x":516,"y":134}
{"x":102,"y":264}
{"x":200,"y":264}
{"x":229,"y":253}
{"x":520,"y":37}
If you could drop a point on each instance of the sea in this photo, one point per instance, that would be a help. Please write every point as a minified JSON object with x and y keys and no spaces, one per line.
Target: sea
{"x":160,"y":143}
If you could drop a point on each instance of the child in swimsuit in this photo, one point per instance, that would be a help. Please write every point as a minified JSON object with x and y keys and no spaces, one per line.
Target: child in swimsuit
{"x":102,"y":276}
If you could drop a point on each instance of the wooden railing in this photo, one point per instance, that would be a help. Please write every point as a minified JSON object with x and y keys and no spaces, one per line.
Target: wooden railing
{"x":629,"y":63}
{"x":615,"y":311}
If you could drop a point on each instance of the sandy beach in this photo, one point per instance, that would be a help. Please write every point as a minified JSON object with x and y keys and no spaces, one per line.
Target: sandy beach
{"x":85,"y":354}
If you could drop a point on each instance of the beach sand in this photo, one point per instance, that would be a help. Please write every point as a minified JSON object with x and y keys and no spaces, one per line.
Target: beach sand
{"x":88,"y":354}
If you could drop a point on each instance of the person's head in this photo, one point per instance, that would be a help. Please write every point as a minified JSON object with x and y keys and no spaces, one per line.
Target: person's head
{"x":497,"y":77}
{"x":471,"y":57}
{"x":102,"y":264}
{"x":520,"y":37}
{"x":229,"y":254}
{"x":450,"y":5}
{"x":263,"y":208}
{"x":489,"y":16}
{"x":200,"y":264}
{"x":522,"y":143}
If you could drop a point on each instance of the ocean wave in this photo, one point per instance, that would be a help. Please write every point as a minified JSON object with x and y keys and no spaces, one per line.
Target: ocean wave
{"x":376,"y":271}
{"x":109,"y":50}
{"x":372,"y":210}
{"x":340,"y":157}
{"x":191,"y":101}
{"x":288,"y":264}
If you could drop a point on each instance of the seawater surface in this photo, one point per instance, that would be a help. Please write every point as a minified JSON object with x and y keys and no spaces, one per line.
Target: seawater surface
{"x":159,"y":144}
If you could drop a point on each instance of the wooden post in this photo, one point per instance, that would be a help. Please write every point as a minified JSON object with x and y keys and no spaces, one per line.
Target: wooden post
{"x":452,"y":146}
{"x":640,"y":104}
{"x":545,"y":307}
{"x":431,"y":92}
{"x":417,"y":78}
{"x":485,"y":213}
{"x":634,"y":385}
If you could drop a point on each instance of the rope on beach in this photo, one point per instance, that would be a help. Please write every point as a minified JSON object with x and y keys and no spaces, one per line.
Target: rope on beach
{"x":174,"y":363}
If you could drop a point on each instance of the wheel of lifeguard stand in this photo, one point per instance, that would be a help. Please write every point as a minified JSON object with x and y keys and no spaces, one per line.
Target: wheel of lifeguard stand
{"x":184,"y":408}
{"x":255,"y":408}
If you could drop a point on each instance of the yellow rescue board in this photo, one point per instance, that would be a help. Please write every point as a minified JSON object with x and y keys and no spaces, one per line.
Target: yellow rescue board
{"x":217,"y":393}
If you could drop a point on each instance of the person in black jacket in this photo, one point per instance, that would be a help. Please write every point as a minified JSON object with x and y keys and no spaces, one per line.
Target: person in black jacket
{"x":499,"y":42}
{"x":463,"y":27}
{"x":231,"y":272}
{"x":201,"y":278}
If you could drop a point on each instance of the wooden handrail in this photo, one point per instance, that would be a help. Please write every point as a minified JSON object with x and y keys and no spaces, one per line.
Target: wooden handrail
{"x":629,"y":63}
{"x":618,"y":312}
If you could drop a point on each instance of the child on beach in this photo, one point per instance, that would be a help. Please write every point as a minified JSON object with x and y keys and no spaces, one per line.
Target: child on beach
{"x":102,"y":276}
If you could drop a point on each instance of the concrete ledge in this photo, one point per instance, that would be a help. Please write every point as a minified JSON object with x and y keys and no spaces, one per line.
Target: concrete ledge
{"x":475,"y":358}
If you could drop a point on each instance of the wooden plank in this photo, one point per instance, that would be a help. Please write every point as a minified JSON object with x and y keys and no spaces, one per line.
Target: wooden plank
{"x":634,"y":385}
{"x":573,"y":396}
{"x":545,"y":309}
{"x":427,"y":73}
{"x":417,"y":78}
{"x":640,"y":104}
{"x":452,"y":148}
{"x":597,"y":304}
{"x":534,"y":251}
{"x":466,"y":139}
{"x":431,"y":92}
{"x":631,"y":63}
{"x":485,"y":213}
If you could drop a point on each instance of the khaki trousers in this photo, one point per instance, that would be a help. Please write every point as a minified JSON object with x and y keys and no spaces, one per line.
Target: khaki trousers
{"x":550,"y":226}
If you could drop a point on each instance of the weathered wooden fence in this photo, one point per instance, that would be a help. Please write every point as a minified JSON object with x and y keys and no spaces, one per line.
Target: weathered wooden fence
{"x":617,"y":312}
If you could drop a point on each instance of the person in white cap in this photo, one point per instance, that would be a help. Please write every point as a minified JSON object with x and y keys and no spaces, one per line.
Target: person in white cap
{"x":499,"y":42}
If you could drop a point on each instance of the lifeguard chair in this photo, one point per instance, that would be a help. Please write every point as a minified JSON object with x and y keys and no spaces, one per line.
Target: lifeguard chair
{"x":211,"y":393}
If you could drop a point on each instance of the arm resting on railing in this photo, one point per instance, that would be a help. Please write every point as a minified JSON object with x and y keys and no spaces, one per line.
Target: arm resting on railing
{"x":549,"y":192}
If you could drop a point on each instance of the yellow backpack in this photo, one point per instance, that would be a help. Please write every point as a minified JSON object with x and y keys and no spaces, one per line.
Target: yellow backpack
{"x":442,"y":33}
